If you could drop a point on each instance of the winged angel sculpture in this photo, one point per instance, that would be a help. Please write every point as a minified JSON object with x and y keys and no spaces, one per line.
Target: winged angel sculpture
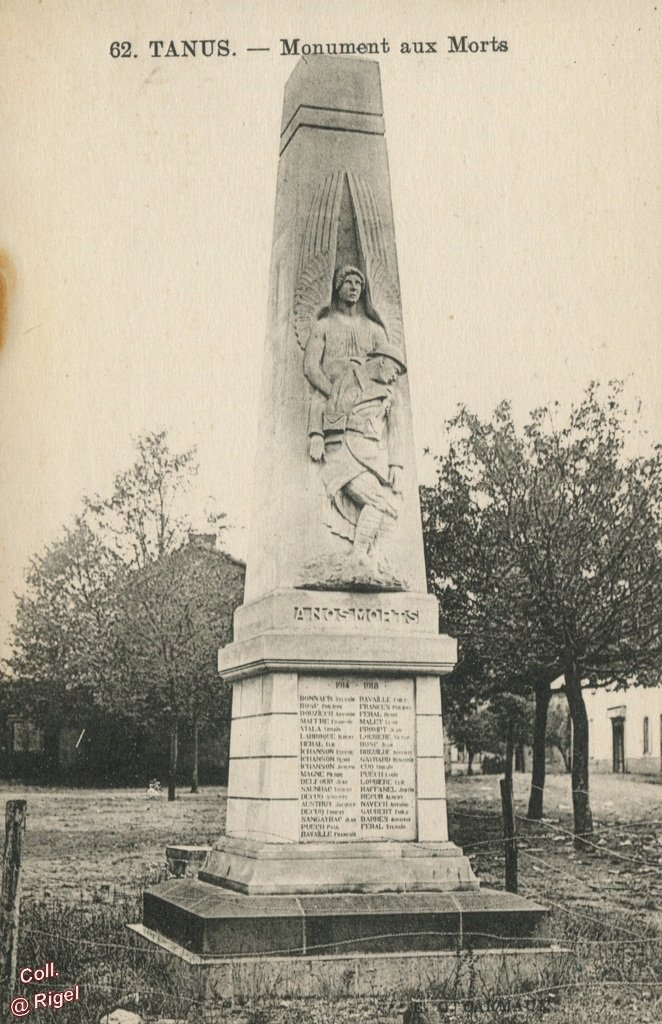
{"x":353,"y":356}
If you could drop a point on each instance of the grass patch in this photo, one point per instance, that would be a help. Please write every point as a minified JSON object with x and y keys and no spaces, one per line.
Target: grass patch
{"x":605,"y":911}
{"x":608,"y":974}
{"x":91,"y":946}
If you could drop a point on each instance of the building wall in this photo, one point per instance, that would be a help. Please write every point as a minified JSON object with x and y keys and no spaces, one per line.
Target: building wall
{"x":111,"y":753}
{"x":633,"y":705}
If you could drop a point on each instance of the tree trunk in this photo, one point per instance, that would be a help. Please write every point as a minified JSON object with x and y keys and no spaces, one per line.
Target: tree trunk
{"x":583,"y":819}
{"x":567,"y":760}
{"x":195,"y":755}
{"x":535,"y":810}
{"x":565,"y":755}
{"x":520,"y":765}
{"x":172,"y":767}
{"x":470,"y":758}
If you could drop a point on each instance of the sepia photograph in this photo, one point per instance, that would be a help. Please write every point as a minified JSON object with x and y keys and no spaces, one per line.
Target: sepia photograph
{"x":331,"y":531}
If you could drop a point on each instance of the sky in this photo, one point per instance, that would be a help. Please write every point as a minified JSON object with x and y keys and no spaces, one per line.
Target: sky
{"x":138,"y":198}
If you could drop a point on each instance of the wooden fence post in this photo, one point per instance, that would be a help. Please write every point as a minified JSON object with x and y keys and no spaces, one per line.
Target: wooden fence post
{"x":15,"y":812}
{"x":509,"y":834}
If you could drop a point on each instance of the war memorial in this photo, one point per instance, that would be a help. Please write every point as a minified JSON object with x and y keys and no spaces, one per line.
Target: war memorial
{"x":336,"y":856}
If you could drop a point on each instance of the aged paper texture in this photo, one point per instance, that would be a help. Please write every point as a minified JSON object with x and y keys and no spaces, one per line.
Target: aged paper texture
{"x":140,"y":150}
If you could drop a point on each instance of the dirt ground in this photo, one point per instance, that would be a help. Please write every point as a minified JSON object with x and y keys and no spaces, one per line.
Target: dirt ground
{"x":621,"y":869}
{"x":83,"y":842}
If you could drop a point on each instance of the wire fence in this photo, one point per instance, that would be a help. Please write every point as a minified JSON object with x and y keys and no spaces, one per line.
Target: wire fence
{"x":602,"y":944}
{"x":596,"y":952}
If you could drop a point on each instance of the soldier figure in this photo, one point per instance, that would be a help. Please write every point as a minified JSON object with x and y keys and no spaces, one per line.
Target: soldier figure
{"x":360,"y":443}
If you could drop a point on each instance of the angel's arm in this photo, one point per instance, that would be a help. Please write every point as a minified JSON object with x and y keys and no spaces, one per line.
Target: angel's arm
{"x":312,"y":360}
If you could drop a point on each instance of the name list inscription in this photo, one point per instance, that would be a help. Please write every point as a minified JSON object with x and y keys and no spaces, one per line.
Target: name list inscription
{"x":357,"y":759}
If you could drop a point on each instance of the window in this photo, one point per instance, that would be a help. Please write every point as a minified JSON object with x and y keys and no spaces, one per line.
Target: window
{"x":647,"y":744}
{"x":27,"y":738}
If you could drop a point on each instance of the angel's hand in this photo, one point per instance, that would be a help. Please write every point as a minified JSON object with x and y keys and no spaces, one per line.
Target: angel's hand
{"x":316,"y":447}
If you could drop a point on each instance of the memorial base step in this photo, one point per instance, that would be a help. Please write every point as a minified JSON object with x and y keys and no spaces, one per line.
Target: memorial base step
{"x":259,"y":979}
{"x":255,"y":868}
{"x":203,"y":919}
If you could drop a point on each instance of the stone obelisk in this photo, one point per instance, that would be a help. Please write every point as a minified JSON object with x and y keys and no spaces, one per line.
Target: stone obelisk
{"x":336,"y":838}
{"x":336,"y":778}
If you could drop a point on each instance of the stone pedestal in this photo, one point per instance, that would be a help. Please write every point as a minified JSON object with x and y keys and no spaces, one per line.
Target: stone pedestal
{"x":336,"y":778}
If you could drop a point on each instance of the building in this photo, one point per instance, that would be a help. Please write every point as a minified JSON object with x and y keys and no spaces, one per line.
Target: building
{"x":625,"y":729}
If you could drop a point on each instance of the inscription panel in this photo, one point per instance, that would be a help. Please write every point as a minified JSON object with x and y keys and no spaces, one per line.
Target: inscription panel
{"x":357,"y":767}
{"x":371,"y":616}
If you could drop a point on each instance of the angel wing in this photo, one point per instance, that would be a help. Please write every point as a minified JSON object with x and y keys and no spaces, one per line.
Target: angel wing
{"x":316,"y":262}
{"x":382,"y":280}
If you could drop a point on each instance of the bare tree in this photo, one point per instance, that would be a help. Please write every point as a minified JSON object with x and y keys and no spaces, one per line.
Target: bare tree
{"x":142,"y":520}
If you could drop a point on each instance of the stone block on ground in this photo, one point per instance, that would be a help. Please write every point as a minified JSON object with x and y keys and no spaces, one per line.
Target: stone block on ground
{"x":121,"y":1017}
{"x":186,"y":861}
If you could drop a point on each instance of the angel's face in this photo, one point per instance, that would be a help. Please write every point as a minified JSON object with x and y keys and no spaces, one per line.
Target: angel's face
{"x":350,"y":289}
